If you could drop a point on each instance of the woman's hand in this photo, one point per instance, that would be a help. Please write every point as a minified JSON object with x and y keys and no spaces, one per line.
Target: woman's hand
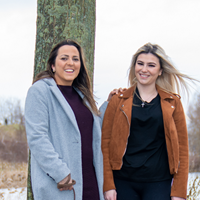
{"x":110,"y":195}
{"x":177,"y":198}
{"x":68,"y":180}
{"x":115,"y":91}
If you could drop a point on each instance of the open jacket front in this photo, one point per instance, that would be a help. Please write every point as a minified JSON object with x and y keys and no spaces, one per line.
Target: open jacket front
{"x":116,"y":130}
{"x":55,"y":143}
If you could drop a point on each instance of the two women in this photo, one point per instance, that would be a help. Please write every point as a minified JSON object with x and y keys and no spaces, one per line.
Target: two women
{"x":144,"y":134}
{"x":63,"y":127}
{"x":144,"y":139}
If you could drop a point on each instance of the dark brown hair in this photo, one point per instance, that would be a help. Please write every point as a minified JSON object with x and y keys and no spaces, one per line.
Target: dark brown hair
{"x":82,"y":81}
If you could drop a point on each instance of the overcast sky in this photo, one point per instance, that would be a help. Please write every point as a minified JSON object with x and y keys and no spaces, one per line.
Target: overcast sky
{"x":121,"y":28}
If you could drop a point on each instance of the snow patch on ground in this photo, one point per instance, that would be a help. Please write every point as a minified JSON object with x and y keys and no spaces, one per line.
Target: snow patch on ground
{"x":13,"y":194}
{"x":192,"y":184}
{"x":21,"y":193}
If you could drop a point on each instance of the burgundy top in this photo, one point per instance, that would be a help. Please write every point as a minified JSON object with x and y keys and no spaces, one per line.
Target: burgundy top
{"x":84,"y":120}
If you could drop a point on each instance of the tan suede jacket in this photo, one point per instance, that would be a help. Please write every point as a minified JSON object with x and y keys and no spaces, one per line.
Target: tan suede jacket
{"x":116,"y":130}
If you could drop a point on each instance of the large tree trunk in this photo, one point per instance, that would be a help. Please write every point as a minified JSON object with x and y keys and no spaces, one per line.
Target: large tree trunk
{"x":58,"y":20}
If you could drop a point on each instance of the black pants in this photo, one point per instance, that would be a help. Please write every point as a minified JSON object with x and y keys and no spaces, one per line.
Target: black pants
{"x":128,"y":190}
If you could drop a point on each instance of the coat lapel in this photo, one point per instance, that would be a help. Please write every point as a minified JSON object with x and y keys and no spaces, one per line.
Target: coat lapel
{"x":168,"y":107}
{"x":96,"y":126}
{"x":66,"y":107}
{"x":95,"y":117}
{"x":167,"y":111}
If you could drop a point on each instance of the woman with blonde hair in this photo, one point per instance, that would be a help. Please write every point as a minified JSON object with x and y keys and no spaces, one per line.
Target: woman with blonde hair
{"x":144,"y":134}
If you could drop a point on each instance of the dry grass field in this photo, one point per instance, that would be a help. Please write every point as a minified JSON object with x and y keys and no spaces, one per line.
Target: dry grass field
{"x":13,"y":144}
{"x":13,"y":156}
{"x":13,"y":175}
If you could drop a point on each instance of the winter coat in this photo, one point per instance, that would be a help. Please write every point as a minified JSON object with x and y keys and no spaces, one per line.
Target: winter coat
{"x":116,"y":130}
{"x":55,"y":142}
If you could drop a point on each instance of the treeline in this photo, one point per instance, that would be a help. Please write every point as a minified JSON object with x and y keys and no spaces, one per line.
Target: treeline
{"x":194,"y":134}
{"x":11,"y":111}
{"x":13,"y":143}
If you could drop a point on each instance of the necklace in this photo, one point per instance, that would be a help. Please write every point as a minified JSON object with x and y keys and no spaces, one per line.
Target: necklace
{"x":143,"y":102}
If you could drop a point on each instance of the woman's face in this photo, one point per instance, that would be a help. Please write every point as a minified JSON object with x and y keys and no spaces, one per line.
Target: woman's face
{"x":147,"y":69}
{"x":67,"y":65}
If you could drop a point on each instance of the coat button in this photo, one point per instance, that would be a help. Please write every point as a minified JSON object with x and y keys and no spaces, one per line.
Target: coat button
{"x":172,"y":106}
{"x":122,"y":105}
{"x":121,"y":95}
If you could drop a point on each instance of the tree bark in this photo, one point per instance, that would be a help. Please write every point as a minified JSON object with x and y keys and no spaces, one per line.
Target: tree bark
{"x":58,"y":20}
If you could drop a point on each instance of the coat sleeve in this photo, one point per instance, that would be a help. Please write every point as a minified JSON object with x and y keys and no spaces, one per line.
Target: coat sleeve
{"x":102,"y":110}
{"x":106,"y":137}
{"x":179,"y":186}
{"x":37,"y":130}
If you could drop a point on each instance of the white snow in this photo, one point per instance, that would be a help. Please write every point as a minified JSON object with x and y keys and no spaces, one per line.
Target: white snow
{"x":21,"y":193}
{"x":13,"y":194}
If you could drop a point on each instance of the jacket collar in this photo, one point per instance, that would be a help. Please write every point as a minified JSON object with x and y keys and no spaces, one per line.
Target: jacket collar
{"x":66,"y":107}
{"x":163,"y":94}
{"x":51,"y":82}
{"x":61,"y":99}
{"x":128,"y":93}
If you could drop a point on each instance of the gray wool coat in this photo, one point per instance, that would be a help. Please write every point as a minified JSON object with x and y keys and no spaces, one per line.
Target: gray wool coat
{"x":55,"y":142}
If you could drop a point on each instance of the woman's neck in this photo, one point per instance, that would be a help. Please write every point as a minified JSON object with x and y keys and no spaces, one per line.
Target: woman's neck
{"x":148,"y":92}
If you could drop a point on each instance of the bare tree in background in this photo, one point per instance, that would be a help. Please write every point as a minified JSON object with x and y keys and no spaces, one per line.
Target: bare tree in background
{"x":11,"y":111}
{"x":194,"y":134}
{"x":58,"y":20}
{"x":13,"y":143}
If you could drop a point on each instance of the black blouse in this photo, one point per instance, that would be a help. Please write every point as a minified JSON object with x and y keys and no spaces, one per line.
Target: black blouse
{"x":146,"y":157}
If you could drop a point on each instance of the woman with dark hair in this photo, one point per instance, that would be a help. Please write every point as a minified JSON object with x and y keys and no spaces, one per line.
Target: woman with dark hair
{"x":144,"y":133}
{"x":63,"y":127}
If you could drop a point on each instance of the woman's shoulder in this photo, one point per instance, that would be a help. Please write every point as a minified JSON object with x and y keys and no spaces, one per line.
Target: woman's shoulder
{"x":176,"y":96}
{"x":39,"y":89}
{"x":39,"y":92}
{"x":125,"y":94}
{"x":43,"y":84}
{"x":117,"y":98}
{"x":164,"y":94}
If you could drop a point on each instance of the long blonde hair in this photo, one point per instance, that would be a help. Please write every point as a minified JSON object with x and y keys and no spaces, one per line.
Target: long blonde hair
{"x":171,"y":80}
